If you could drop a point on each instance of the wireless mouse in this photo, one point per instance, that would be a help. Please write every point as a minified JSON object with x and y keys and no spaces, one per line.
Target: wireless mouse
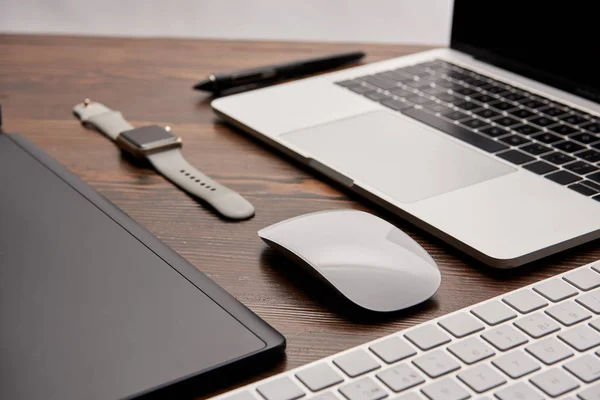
{"x":368,"y":260}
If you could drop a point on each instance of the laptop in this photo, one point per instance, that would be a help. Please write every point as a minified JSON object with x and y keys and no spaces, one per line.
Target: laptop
{"x":492,"y":145}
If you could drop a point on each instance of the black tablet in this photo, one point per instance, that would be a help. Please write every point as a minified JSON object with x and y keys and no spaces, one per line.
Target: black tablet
{"x":93,"y":306}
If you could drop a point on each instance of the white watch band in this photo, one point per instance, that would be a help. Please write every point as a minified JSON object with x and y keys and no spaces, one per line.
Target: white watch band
{"x":170,"y":163}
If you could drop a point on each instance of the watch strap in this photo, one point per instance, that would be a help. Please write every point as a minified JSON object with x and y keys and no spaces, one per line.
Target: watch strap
{"x":170,"y":163}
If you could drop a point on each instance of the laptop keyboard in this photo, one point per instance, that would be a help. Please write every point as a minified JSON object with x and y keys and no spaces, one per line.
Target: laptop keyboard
{"x":543,"y":136}
{"x":535,"y":343}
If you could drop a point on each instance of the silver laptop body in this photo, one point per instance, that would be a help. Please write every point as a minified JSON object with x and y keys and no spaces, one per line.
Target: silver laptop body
{"x":496,"y":211}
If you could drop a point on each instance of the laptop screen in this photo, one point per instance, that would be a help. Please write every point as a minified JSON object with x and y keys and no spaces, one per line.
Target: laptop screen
{"x":552,"y":42}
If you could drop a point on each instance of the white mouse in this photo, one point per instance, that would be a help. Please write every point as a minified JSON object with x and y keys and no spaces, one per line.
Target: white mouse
{"x":366,"y":259}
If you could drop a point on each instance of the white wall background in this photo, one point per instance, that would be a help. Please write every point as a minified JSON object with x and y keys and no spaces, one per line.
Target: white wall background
{"x":387,"y":21}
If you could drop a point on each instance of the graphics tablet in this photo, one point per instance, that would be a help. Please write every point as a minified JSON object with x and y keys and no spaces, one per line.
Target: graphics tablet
{"x":93,"y":306}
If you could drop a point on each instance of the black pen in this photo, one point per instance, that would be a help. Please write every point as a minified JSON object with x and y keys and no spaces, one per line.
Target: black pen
{"x":217,"y":83}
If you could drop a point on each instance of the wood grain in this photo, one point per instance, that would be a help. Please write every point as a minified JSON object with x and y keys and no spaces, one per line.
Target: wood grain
{"x":150,"y":81}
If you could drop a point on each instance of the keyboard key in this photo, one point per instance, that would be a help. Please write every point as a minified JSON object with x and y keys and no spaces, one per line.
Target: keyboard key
{"x":514,"y":140}
{"x":356,"y":363}
{"x":595,"y":324}
{"x":495,"y":89}
{"x":540,"y":167}
{"x":319,"y":376}
{"x":580,"y":167}
{"x":325,"y":396}
{"x":586,"y":368}
{"x":471,"y":350}
{"x":376,"y":96}
{"x":280,"y":389}
{"x":537,"y":325}
{"x":525,"y":301}
{"x":536,"y":149}
{"x":449,"y":98}
{"x":513,"y":96}
{"x":563,"y":177}
{"x":546,"y":137}
{"x":461,"y":324}
{"x":417,"y":83}
{"x":361,"y":89}
{"x":583,"y":279}
{"x":475,"y":123}
{"x":436,"y":107}
{"x":401,"y":92}
{"x":573,"y":119}
{"x":455,"y":130}
{"x":590,"y":393}
{"x":554,"y":382}
{"x":568,"y":313}
{"x":521,"y":113}
{"x":584,"y":190}
{"x":245,"y":395}
{"x":455,"y":115}
{"x":581,"y":337}
{"x":486,"y":113}
{"x":397,"y":105}
{"x":553,"y":111}
{"x":363,"y":389}
{"x":504,"y":337}
{"x":408,"y":396}
{"x":465,"y":91}
{"x":562,"y":129}
{"x":515,"y":157}
{"x":591,"y":184}
{"x":520,"y":391}
{"x":591,"y":301}
{"x":585,"y":138}
{"x":542,"y":121}
{"x":427,"y":337}
{"x":433,"y":91}
{"x":436,"y":363}
{"x":400,"y":377}
{"x":502,"y":105}
{"x":568,"y":146}
{"x":549,"y":351}
{"x":506,"y":121}
{"x":516,"y":364}
{"x":418,"y":99}
{"x":384,"y":84}
{"x":558,"y":158}
{"x":555,"y":289}
{"x":494,"y":131}
{"x":594,"y":177}
{"x":393,"y":349}
{"x":532,"y":103}
{"x":481,"y":378}
{"x":445,"y":389}
{"x":493,"y":312}
{"x":467,"y":105}
{"x":526,"y":129}
{"x":483,"y":98}
{"x":593,"y":127}
{"x":413,"y":70}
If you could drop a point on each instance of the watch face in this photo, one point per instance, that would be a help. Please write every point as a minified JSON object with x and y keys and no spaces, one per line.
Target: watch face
{"x":148,"y":135}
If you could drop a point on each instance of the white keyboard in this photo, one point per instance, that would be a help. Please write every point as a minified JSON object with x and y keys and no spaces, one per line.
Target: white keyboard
{"x":538,"y":342}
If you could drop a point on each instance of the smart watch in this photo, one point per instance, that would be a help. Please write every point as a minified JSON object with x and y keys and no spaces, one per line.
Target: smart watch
{"x":163,"y":150}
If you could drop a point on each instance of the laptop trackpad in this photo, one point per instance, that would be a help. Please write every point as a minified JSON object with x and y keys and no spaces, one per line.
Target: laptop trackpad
{"x":401,"y":158}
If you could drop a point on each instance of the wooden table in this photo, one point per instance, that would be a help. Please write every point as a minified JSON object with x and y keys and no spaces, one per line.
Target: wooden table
{"x":150,"y":81}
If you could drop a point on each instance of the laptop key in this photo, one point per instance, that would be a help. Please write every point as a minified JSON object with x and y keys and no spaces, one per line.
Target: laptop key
{"x":585,"y":138}
{"x":553,"y":111}
{"x":537,"y":325}
{"x":573,"y":119}
{"x":376,"y":96}
{"x":536,"y":149}
{"x":515,"y":157}
{"x":454,"y":130}
{"x":493,"y":312}
{"x":583,"y":279}
{"x":584,"y":190}
{"x":568,"y":313}
{"x":562,"y":129}
{"x":486,"y":113}
{"x":465,"y":91}
{"x":580,"y":167}
{"x":542,"y":121}
{"x":521,"y":113}
{"x":494,"y":131}
{"x":319,"y":377}
{"x":594,"y":177}
{"x":400,"y":377}
{"x":514,"y":140}
{"x":380,"y":83}
{"x":586,"y":368}
{"x":555,"y":289}
{"x":436,"y":107}
{"x":427,"y":337}
{"x":525,"y":301}
{"x":532,"y":103}
{"x":361,"y":89}
{"x":581,"y":337}
{"x":467,"y":105}
{"x":558,"y":158}
{"x":593,"y":127}
{"x":590,"y":393}
{"x":280,"y":389}
{"x":471,"y":350}
{"x":554,"y":382}
{"x":455,"y":115}
{"x":520,"y":391}
{"x":483,"y":98}
{"x":418,"y":99}
{"x":502,"y":105}
{"x":393,"y":350}
{"x":546,"y":137}
{"x":506,"y":121}
{"x":563,"y":177}
{"x":481,"y":378}
{"x":475,"y":124}
{"x":540,"y":167}
{"x":568,"y":146}
{"x":549,"y":351}
{"x":401,"y":92}
{"x":397,"y":105}
{"x":363,"y":389}
{"x":516,"y":364}
{"x":526,"y":129}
